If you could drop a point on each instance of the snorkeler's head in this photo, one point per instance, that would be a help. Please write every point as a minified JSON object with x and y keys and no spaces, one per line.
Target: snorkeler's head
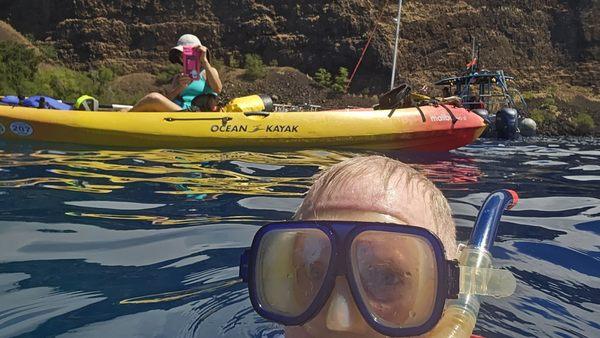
{"x":370,"y":254}
{"x":373,"y":189}
{"x":378,"y":187}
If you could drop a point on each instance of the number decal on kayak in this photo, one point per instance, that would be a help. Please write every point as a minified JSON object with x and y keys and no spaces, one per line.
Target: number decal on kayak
{"x":21,"y":129}
{"x":2,"y":130}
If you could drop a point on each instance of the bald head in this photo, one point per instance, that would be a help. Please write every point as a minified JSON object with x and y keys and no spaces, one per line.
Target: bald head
{"x":389,"y":189}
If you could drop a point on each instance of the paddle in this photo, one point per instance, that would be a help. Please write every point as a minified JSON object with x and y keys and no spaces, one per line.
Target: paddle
{"x":108,"y":107}
{"x":115,"y":106}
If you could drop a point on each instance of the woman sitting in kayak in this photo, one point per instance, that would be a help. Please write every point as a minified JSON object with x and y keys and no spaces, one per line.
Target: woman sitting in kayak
{"x":183,"y":90}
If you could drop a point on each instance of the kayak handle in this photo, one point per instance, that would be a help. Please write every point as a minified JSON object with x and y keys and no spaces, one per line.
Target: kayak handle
{"x":223,"y":120}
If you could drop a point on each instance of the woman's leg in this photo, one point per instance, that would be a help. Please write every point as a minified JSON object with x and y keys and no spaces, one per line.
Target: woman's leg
{"x":155,"y":102}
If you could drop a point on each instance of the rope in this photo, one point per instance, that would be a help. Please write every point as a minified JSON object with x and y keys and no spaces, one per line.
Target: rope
{"x":366,"y":45}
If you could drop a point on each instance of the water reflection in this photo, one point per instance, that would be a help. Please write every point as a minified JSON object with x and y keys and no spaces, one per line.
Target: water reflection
{"x":184,"y":172}
{"x":196,"y":176}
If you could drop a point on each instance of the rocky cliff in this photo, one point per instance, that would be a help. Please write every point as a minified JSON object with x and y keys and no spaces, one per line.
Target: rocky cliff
{"x":540,"y":41}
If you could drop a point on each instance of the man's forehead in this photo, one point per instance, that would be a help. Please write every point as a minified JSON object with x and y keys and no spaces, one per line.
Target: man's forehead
{"x":402,"y":201}
{"x":392,"y":190}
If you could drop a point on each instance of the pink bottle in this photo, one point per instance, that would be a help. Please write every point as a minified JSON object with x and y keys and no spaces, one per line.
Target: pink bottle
{"x":191,"y":62}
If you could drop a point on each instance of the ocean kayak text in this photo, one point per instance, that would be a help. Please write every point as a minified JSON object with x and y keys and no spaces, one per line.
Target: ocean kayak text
{"x":244,"y":128}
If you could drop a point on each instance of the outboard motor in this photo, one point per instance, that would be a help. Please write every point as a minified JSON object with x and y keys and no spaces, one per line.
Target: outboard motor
{"x":507,"y":120}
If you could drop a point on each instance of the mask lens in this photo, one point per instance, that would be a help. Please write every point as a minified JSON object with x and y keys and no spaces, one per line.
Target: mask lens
{"x":291,"y":268}
{"x":396,"y":276}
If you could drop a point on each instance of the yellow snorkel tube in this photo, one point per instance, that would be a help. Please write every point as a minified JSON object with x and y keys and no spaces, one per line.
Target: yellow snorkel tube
{"x":477,"y":277}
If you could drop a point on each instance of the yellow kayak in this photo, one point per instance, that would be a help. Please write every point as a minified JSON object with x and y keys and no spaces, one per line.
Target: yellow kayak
{"x":427,"y":128}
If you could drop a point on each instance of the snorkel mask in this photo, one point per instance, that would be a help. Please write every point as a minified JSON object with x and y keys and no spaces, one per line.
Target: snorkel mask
{"x":405,"y":288}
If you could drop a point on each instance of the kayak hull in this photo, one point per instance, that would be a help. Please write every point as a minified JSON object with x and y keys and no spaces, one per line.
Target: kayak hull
{"x":428,"y":129}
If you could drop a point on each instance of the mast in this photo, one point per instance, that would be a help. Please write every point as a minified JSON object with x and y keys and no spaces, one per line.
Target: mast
{"x":396,"y":44}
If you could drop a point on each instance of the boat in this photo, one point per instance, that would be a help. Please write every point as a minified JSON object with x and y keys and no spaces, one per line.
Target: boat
{"x":484,"y":90}
{"x":436,"y":127}
{"x":487,"y":94}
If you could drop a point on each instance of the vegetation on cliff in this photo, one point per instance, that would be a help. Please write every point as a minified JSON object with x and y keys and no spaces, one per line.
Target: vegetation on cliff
{"x":255,"y":67}
{"x":25,"y":72}
{"x":338,"y":84}
{"x":560,"y":110}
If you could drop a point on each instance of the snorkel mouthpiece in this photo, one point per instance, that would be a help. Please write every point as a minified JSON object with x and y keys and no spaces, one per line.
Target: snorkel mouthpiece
{"x":477,"y":277}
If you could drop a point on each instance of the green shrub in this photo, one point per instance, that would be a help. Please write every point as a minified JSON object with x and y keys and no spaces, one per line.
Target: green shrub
{"x":64,"y":83}
{"x":528,"y":95}
{"x":102,"y":76}
{"x":274,"y":63}
{"x":167,"y":74}
{"x":5,"y":87}
{"x":255,"y":68}
{"x":20,"y":74}
{"x":18,"y":66}
{"x":234,"y":62}
{"x":341,"y":80}
{"x":323,"y":77}
{"x":116,"y":96}
{"x":219,"y":65}
{"x":548,"y":102}
{"x":584,"y":123}
{"x":538,"y":116}
{"x":544,"y":115}
{"x":48,"y":50}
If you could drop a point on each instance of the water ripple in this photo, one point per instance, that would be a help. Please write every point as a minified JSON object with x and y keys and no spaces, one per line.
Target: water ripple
{"x":37,"y":305}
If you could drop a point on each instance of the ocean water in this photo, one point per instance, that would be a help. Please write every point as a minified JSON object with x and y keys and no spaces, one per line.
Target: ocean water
{"x":109,"y":243}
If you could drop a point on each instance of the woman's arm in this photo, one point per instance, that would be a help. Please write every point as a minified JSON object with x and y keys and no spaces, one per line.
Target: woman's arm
{"x":212,"y":75}
{"x":212,"y":78}
{"x":179,"y":83}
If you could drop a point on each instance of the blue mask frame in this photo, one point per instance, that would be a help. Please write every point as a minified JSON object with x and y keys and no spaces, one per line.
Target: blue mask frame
{"x":341,"y":235}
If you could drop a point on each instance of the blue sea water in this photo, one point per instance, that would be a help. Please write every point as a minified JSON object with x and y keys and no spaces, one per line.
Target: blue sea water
{"x":82,"y":230}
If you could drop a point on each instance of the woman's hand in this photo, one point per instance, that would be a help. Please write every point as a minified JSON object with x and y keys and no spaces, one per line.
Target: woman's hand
{"x":179,"y":83}
{"x":181,"y":80}
{"x":203,"y":55}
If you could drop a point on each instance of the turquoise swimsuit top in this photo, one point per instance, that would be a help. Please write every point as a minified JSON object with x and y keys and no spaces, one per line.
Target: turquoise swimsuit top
{"x":199,"y":87}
